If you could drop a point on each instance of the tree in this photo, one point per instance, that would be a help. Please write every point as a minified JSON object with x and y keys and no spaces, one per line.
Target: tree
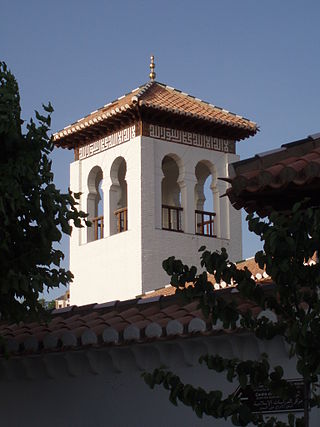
{"x":47,"y":305}
{"x":33,"y":212}
{"x":51,"y":305}
{"x":290,"y":240}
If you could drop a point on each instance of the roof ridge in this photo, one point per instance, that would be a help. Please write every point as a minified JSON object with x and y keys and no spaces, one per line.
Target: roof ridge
{"x":100,"y":109}
{"x":154,"y":95}
{"x":144,"y":89}
{"x":202,"y":101}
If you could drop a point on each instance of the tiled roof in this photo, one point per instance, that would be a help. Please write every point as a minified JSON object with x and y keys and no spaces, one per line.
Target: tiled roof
{"x":163,"y":97}
{"x":257,"y":273}
{"x":277,"y":179}
{"x":158,"y":98}
{"x":115,"y":323}
{"x":156,"y":315}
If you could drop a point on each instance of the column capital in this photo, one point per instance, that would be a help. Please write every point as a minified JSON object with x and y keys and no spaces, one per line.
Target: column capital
{"x":189,"y":178}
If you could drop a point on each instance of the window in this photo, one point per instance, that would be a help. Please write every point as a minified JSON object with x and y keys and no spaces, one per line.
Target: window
{"x":95,"y":204}
{"x":171,"y":196}
{"x":204,"y":213}
{"x":118,"y":197}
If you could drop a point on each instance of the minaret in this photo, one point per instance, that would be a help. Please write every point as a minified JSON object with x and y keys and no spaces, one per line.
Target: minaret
{"x":142,"y":164}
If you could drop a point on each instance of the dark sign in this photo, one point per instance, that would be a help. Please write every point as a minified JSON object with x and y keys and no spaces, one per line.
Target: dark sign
{"x":263,"y":401}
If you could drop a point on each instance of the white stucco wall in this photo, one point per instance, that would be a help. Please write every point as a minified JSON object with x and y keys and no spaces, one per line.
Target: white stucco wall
{"x":110,"y":268}
{"x":158,"y":244}
{"x":103,"y":387}
{"x":124,"y":265}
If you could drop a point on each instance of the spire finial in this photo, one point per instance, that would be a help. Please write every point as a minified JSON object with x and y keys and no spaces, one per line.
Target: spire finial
{"x":152,"y":74}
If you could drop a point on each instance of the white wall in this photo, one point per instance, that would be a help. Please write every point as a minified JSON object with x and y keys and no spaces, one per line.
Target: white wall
{"x":103,"y":387}
{"x":110,"y":268}
{"x":158,"y":244}
{"x":124,"y":265}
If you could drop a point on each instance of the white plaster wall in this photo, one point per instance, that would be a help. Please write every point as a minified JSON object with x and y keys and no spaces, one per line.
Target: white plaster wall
{"x":124,"y":265}
{"x":110,"y":268}
{"x":103,"y":387}
{"x":158,"y":244}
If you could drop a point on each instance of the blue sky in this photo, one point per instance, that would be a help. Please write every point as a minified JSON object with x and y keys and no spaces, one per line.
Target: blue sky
{"x":256,"y":58}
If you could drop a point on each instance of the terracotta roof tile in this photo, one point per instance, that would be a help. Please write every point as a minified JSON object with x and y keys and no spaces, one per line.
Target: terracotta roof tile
{"x":259,"y":184}
{"x":112,"y":314}
{"x":168,"y":311}
{"x":251,"y":265}
{"x":99,"y":328}
{"x":185,"y":319}
{"x":165,"y":291}
{"x":152,"y":312}
{"x":161,"y":96}
{"x":130,"y":312}
{"x":114,"y":324}
{"x":158,"y":317}
{"x":117,"y":320}
{"x":153,"y":96}
{"x":259,"y":275}
{"x":119,"y":326}
{"x":135,"y":319}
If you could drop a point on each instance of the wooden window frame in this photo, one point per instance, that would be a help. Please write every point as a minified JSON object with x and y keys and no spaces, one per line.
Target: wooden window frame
{"x":206,"y":225}
{"x":122,"y":219}
{"x":176,"y":211}
{"x":98,"y":227}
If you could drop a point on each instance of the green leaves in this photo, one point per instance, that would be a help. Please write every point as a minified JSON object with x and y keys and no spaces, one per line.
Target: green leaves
{"x":290,"y":239}
{"x":33,"y":212}
{"x":202,"y":402}
{"x":180,"y":274}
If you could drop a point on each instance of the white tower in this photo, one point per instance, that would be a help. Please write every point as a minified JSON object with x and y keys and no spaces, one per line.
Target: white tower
{"x":142,"y":163}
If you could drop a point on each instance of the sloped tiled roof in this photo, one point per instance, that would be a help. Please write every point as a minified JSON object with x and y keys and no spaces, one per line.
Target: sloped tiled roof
{"x":156,"y":315}
{"x":258,"y":274}
{"x":115,"y":323}
{"x":143,"y":102}
{"x":164,"y":97}
{"x":277,"y":179}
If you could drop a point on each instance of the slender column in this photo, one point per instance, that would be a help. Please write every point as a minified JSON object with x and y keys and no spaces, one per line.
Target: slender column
{"x":78,"y":234}
{"x":216,"y":209}
{"x":91,"y":210}
{"x":158,"y":196}
{"x":223,"y":222}
{"x":188,"y":202}
{"x":105,"y":187}
{"x":134,"y":214}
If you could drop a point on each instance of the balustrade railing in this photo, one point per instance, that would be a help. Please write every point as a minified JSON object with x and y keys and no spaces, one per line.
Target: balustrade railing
{"x":122,"y":219}
{"x":97,"y":224}
{"x":171,"y":218}
{"x":205,"y":223}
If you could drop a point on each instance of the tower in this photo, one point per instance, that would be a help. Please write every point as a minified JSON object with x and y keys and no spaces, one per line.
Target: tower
{"x":142,"y":163}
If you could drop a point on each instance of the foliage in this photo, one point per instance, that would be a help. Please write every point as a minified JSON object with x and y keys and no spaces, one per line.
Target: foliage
{"x":51,"y":304}
{"x":290,"y":240}
{"x":33,"y":212}
{"x":47,"y":305}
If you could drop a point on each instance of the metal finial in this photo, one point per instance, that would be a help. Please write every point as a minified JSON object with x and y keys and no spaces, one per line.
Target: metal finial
{"x":152,"y":74}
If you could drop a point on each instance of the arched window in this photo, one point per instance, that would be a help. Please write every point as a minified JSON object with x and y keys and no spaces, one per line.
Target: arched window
{"x":204,"y":200}
{"x":171,"y":195}
{"x":95,"y":204}
{"x":118,"y":197}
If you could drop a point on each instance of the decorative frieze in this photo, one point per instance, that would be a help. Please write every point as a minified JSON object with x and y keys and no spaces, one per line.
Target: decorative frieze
{"x":158,"y":132}
{"x":189,"y":138}
{"x":107,"y":142}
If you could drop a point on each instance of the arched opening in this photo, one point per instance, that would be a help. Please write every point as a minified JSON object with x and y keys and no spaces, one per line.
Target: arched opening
{"x":95,"y":204}
{"x":118,"y":197}
{"x":171,"y":195}
{"x":204,"y":200}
